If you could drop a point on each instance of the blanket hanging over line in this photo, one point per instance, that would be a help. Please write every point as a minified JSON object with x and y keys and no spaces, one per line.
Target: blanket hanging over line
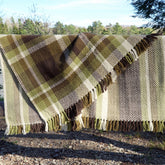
{"x":62,"y":82}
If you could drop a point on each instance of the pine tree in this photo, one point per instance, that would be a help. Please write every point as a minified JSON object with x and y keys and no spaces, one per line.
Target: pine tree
{"x":154,"y":10}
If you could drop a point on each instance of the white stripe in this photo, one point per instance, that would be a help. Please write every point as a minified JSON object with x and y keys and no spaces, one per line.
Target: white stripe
{"x":79,"y":118}
{"x":35,"y":77}
{"x":104,"y":105}
{"x":113,"y":75}
{"x":135,"y":54}
{"x":104,"y":110}
{"x":148,"y":92}
{"x":93,"y":94}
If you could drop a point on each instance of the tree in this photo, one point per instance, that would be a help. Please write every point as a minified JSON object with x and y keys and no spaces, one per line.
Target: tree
{"x":133,"y":30}
{"x":59,"y":28}
{"x":3,"y":27}
{"x":71,"y":29}
{"x":82,"y":29}
{"x":14,"y":29}
{"x":117,"y":29}
{"x":146,"y":31}
{"x":39,"y":20}
{"x":154,"y":10}
{"x":109,"y":28}
{"x":90,"y":29}
{"x":28,"y":27}
{"x":96,"y":28}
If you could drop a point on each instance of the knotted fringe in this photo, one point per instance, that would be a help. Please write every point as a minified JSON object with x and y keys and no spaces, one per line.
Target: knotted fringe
{"x":23,"y":129}
{"x":122,"y":126}
{"x":59,"y":122}
{"x":88,"y":123}
{"x":129,"y":58}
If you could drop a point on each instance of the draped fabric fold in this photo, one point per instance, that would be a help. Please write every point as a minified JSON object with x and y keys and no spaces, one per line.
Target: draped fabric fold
{"x":67,"y":82}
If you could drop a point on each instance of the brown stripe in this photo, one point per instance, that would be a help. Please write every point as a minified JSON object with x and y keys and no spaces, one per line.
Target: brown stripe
{"x":129,"y":85}
{"x":29,"y":38}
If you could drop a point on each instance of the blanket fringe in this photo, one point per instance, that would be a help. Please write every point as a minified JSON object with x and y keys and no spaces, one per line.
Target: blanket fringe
{"x":24,"y":129}
{"x":88,"y":123}
{"x":122,"y":126}
{"x":59,"y":122}
{"x":129,"y":58}
{"x":115,"y":125}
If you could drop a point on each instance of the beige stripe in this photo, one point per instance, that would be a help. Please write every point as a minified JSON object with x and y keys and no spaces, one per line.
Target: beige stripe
{"x":104,"y":109}
{"x":113,"y":104}
{"x":148,"y":92}
{"x":21,"y":109}
{"x":162,"y":92}
{"x":4,"y":86}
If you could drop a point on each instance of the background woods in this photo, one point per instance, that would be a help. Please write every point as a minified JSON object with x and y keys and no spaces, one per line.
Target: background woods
{"x":34,"y":26}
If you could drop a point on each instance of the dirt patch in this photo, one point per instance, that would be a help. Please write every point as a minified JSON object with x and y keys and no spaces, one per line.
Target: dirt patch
{"x":85,"y":147}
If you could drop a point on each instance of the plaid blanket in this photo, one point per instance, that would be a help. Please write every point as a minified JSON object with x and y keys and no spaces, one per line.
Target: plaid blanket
{"x":136,"y":101}
{"x":53,"y":82}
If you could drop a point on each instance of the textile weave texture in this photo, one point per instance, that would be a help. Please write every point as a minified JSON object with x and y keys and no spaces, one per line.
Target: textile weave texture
{"x":136,"y":101}
{"x":67,"y":82}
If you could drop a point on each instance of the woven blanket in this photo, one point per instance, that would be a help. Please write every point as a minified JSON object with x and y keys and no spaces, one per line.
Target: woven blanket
{"x":67,"y":82}
{"x":136,"y":101}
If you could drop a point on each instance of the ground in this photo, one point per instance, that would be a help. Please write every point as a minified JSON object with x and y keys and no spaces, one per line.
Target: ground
{"x":85,"y":147}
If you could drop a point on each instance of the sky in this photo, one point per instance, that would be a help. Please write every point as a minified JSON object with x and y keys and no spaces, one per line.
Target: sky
{"x":78,"y":12}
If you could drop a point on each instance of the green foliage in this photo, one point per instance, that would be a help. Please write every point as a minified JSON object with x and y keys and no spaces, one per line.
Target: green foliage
{"x":3,"y":27}
{"x":133,"y":30}
{"x":96,"y":28}
{"x":154,"y":10}
{"x":35,"y":27}
{"x":117,"y":29}
{"x":59,"y":28}
{"x":71,"y":29}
